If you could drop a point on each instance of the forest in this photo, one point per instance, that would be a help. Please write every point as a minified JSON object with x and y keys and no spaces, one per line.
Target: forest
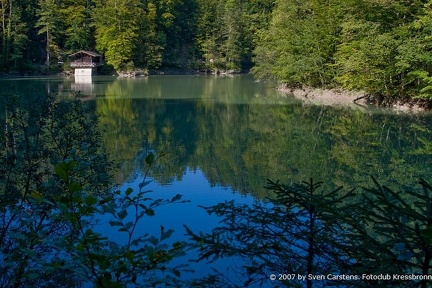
{"x":379,"y":46}
{"x":181,"y":34}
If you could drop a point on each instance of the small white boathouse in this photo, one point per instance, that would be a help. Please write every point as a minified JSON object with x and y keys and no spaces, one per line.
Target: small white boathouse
{"x":85,"y":62}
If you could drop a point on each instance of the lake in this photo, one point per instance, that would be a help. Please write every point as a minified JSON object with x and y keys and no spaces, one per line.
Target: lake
{"x":223,"y":137}
{"x":238,"y":132}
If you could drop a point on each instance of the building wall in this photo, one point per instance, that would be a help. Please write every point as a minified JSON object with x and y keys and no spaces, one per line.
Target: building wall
{"x":84,"y":71}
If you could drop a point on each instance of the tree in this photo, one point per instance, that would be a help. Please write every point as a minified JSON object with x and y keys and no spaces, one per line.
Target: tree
{"x":223,"y":34}
{"x":49,"y":24}
{"x":207,"y":32}
{"x":19,"y":39}
{"x":391,"y":233}
{"x":117,"y":24}
{"x":232,"y":46}
{"x":6,"y":13}
{"x":14,"y":35}
{"x":77,"y":20}
{"x":148,"y":54}
{"x":413,"y":60}
{"x":383,"y":50}
{"x":256,"y":22}
{"x":176,"y":24}
{"x":298,"y":50}
{"x":368,"y":64}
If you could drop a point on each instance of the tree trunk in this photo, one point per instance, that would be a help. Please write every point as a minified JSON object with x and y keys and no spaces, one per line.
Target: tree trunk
{"x":48,"y":50}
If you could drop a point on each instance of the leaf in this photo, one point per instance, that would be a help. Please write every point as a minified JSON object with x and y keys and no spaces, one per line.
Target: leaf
{"x":61,"y":171}
{"x":153,"y":240}
{"x":150,"y":212}
{"x":32,"y":275}
{"x":150,"y":158}
{"x":176,"y":272}
{"x":167,"y":234}
{"x":36,"y":195}
{"x":29,"y":253}
{"x":137,"y":242}
{"x":91,"y":200}
{"x":176,"y":198}
{"x":128,"y":191}
{"x":116,"y":223}
{"x":427,"y":235}
{"x":129,"y":225}
{"x":177,"y":245}
{"x":142,"y":206}
{"x":70,"y":164}
{"x":144,"y":183}
{"x":63,"y":168}
{"x":122,"y":214}
{"x":74,"y":187}
{"x":129,"y":255}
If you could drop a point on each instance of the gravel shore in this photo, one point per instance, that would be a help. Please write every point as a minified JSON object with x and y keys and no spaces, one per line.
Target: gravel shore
{"x":334,"y":97}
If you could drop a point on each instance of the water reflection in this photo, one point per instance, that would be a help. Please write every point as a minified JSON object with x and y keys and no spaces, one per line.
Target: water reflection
{"x":83,"y":85}
{"x":196,"y":189}
{"x":241,"y":145}
{"x":240,"y":132}
{"x":228,"y":135}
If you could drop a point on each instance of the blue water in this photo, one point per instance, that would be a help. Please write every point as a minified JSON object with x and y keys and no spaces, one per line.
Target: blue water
{"x":195,"y":188}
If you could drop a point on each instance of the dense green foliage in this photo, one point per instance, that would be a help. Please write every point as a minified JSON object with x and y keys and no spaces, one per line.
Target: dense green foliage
{"x":189,"y":34}
{"x":381,"y":47}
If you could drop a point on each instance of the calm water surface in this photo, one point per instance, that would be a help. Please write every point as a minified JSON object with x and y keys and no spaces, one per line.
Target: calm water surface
{"x":224,"y":136}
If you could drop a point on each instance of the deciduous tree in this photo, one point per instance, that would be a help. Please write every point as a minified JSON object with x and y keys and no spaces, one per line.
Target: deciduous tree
{"x":117,"y":24}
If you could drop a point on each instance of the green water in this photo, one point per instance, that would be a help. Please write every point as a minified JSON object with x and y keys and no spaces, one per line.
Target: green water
{"x":239,"y":132}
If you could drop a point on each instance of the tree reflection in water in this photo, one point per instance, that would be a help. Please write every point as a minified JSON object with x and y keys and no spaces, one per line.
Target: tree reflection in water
{"x":307,"y":237}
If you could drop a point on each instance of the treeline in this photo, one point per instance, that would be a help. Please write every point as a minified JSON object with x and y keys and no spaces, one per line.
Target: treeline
{"x":382,"y":47}
{"x":185,"y":34}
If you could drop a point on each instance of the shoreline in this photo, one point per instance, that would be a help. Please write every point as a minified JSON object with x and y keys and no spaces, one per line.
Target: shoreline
{"x":125,"y":74}
{"x":313,"y":96}
{"x":343,"y":98}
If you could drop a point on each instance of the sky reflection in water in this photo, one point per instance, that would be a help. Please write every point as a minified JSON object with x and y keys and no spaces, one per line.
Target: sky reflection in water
{"x":194,"y":187}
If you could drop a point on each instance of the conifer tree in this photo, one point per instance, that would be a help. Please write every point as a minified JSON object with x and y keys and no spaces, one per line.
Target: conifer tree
{"x":49,"y":24}
{"x":13,"y":34}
